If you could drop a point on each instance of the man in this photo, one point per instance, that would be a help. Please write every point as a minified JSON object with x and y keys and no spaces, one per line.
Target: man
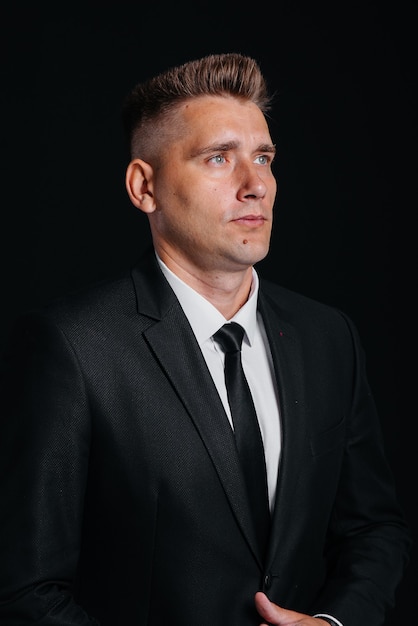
{"x":124,"y":495}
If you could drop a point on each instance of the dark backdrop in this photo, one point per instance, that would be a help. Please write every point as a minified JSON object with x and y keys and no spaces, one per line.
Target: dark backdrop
{"x":345,"y":123}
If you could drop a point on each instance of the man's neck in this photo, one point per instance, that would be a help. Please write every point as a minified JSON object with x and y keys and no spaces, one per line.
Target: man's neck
{"x":226,"y":291}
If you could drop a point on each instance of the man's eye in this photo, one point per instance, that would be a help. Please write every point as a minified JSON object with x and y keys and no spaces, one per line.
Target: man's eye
{"x":218,"y":158}
{"x":263,"y":159}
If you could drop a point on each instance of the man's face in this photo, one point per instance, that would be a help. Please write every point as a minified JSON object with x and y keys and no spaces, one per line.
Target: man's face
{"x":213,"y":187}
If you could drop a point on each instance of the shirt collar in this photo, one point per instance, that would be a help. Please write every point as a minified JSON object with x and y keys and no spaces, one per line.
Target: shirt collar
{"x":203,"y":317}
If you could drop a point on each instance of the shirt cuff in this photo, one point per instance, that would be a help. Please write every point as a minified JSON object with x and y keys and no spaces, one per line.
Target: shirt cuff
{"x":329,"y":618}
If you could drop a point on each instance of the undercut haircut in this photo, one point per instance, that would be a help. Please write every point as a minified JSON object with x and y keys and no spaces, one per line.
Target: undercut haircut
{"x":150,"y":104}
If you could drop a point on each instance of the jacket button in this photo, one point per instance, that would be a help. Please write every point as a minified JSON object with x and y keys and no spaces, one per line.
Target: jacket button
{"x":267,"y":581}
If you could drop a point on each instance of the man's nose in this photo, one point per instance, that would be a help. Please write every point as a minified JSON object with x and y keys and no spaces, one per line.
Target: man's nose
{"x":251,"y":183}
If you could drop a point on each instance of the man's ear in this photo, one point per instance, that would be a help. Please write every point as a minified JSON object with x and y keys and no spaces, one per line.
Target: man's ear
{"x":139,"y":185}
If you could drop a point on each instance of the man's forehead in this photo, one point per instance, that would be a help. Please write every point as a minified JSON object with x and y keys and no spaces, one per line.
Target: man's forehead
{"x":223,"y":119}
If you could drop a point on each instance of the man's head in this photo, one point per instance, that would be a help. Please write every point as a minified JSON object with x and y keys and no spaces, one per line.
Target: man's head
{"x":201,"y":165}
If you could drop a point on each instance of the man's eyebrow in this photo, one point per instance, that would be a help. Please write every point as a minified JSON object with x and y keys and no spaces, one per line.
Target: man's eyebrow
{"x":267,"y":147}
{"x":232,"y":145}
{"x":216,"y":147}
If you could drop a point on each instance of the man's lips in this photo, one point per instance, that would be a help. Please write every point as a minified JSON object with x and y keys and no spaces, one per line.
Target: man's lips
{"x":250,"y":220}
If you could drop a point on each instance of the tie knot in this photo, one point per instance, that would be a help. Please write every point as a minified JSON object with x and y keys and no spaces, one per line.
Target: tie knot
{"x":230,"y":336}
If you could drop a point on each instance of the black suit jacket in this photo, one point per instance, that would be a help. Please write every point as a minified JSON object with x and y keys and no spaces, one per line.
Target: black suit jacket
{"x":122,"y":499}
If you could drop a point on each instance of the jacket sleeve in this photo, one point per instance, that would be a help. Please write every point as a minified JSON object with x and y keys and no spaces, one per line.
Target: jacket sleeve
{"x":368,"y":542}
{"x":44,"y":453}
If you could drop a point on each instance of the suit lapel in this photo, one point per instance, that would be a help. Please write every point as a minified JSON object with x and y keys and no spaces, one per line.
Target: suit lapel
{"x":174,"y":345}
{"x":289,"y":368}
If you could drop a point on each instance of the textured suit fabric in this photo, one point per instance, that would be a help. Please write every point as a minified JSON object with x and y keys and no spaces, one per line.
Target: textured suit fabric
{"x":122,"y":499}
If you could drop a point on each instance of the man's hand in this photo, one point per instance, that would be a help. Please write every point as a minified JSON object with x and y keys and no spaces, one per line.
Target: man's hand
{"x":275,"y":615}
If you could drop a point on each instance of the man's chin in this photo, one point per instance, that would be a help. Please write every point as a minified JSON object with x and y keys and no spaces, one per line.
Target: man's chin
{"x":252,"y":252}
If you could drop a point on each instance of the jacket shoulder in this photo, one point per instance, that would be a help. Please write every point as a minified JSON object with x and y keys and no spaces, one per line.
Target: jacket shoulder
{"x":304,"y":312}
{"x":293,"y":300}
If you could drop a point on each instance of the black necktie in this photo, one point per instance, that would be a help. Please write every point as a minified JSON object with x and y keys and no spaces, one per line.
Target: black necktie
{"x":247,"y":432}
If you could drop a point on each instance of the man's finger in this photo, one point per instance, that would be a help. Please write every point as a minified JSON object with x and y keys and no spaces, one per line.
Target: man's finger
{"x":268,"y":611}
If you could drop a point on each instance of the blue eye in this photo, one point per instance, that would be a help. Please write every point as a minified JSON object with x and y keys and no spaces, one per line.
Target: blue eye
{"x":218,"y":158}
{"x":263,"y":159}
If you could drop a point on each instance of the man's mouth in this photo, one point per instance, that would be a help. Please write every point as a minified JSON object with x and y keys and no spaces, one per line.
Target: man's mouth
{"x":250,"y":220}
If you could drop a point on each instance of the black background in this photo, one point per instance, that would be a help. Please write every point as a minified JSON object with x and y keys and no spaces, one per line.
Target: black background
{"x":345,"y":124}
